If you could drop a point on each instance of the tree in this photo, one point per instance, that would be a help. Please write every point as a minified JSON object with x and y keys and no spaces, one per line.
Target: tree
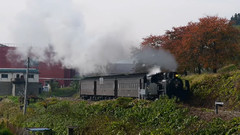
{"x":178,"y":42}
{"x":210,"y":43}
{"x":218,"y":41}
{"x":152,"y":41}
{"x":236,"y":19}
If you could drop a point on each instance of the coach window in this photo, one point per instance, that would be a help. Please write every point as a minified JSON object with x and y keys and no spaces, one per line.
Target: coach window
{"x":4,"y":75}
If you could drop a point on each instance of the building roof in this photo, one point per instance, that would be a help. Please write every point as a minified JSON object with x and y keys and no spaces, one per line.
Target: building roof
{"x":18,"y":70}
{"x":2,"y":45}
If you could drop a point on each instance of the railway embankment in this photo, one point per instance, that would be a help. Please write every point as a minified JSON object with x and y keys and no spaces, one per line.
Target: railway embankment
{"x":208,"y":88}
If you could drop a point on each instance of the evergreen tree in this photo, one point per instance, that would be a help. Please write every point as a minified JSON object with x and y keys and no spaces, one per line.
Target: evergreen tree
{"x":236,"y":19}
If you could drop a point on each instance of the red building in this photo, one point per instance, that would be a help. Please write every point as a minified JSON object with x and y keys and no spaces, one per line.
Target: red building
{"x":47,"y":72}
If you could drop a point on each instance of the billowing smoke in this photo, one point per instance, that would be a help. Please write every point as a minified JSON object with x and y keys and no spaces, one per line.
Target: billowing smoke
{"x":152,"y":59}
{"x":51,"y":30}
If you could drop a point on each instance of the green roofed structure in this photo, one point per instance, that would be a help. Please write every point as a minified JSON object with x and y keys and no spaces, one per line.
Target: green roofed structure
{"x":18,"y":70}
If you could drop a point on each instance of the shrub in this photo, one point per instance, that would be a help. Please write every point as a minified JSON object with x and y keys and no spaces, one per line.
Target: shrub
{"x":5,"y":131}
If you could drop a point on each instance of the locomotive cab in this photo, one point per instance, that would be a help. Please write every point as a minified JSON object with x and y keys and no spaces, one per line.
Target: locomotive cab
{"x":167,"y":84}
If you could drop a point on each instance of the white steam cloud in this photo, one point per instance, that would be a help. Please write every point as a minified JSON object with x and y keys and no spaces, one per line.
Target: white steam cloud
{"x":155,"y":69}
{"x":154,"y":59}
{"x":52,"y":31}
{"x":54,"y":26}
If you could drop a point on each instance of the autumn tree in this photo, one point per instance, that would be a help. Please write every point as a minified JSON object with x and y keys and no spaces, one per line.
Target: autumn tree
{"x":173,"y":40}
{"x":177,"y":41}
{"x":217,"y":39}
{"x":208,"y":44}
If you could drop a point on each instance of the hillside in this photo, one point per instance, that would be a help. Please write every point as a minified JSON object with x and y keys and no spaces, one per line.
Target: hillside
{"x":208,"y":88}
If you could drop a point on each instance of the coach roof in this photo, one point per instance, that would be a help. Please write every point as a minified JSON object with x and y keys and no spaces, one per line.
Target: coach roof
{"x":116,"y":76}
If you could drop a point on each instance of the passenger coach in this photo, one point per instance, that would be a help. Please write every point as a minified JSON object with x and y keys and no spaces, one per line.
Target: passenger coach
{"x":138,"y":85}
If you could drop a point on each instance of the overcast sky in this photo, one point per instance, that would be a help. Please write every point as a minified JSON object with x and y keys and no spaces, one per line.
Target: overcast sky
{"x":139,"y":17}
{"x":89,"y":34}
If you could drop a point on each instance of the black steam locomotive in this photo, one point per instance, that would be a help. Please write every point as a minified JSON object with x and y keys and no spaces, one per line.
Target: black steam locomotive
{"x":139,"y":85}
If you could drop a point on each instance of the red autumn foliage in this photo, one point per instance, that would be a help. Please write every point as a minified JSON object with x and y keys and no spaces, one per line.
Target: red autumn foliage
{"x":208,"y":44}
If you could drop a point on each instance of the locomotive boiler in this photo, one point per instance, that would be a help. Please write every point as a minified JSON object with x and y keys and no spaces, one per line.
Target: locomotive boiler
{"x":138,"y":85}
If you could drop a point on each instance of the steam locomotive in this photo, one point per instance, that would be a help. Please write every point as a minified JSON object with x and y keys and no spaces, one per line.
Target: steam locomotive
{"x":138,"y":85}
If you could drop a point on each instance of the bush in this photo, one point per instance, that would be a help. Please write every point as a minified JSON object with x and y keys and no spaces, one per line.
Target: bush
{"x":4,"y":130}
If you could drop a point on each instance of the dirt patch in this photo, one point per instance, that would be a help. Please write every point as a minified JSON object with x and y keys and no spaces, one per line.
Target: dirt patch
{"x":209,"y":114}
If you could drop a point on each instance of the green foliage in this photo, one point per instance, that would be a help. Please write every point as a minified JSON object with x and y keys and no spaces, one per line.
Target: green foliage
{"x":220,"y":127}
{"x":64,"y":92}
{"x":228,"y":68}
{"x":4,"y":130}
{"x":123,"y":116}
{"x":234,"y":126}
{"x":123,"y":102}
{"x":60,"y":92}
{"x":211,"y":87}
{"x":236,"y":19}
{"x":75,"y":85}
{"x":217,"y":127}
{"x":54,"y":85}
{"x":47,"y":102}
{"x":120,"y":116}
{"x":14,"y":99}
{"x":56,"y":91}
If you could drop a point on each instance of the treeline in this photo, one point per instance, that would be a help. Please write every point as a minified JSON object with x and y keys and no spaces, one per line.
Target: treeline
{"x":208,"y":44}
{"x":236,"y":19}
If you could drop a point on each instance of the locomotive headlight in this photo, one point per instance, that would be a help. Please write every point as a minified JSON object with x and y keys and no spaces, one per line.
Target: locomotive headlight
{"x":176,"y":75}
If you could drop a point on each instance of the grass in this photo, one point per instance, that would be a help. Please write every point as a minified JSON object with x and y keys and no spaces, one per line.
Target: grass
{"x":14,"y":99}
{"x":120,"y":116}
{"x":64,"y":92}
{"x":60,"y":92}
{"x":223,"y":86}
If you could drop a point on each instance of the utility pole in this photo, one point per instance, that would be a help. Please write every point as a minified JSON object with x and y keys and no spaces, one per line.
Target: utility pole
{"x":26,"y":87}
